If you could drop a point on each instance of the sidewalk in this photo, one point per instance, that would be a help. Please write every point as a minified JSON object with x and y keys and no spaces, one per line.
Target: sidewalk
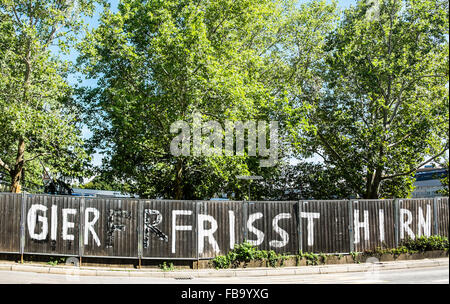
{"x":203,"y":273}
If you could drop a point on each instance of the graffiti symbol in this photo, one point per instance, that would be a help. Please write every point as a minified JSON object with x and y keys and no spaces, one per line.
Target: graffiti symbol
{"x":150,"y":227}
{"x":115,"y":219}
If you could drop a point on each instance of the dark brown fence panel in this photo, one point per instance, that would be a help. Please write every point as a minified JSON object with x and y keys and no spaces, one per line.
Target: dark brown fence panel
{"x":273,"y":226}
{"x":58,"y":225}
{"x":110,"y":227}
{"x":52,"y":225}
{"x":415,"y":217}
{"x":10,"y":210}
{"x":169,"y":229}
{"x":325,"y":226}
{"x":220,"y":226}
{"x":443,"y":216}
{"x":373,"y":224}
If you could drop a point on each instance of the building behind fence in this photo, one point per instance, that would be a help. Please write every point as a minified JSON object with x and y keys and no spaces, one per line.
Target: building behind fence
{"x":192,"y":230}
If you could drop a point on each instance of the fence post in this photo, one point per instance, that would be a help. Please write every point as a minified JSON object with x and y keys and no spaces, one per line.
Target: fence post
{"x":396,"y":221}
{"x":197,"y":211}
{"x":350,"y":226}
{"x":245,"y":218}
{"x":435,"y":215}
{"x":140,"y":232}
{"x":22,"y":225}
{"x":81,"y":230}
{"x":299,"y":226}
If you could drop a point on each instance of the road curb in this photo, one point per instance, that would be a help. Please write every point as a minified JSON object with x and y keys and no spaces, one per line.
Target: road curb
{"x":248,"y":272}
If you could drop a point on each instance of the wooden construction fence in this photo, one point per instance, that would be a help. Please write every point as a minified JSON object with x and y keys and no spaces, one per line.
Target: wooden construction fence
{"x":193,"y":230}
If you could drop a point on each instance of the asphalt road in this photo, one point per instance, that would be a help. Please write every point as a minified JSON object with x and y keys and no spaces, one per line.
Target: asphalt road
{"x":427,"y":275}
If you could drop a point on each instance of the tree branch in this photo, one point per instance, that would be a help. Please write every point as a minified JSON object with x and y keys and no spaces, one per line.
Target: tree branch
{"x":400,"y":140}
{"x":415,"y":169}
{"x":333,"y":151}
{"x":17,"y":17}
{"x":4,"y":166}
{"x":51,"y":35}
{"x":402,"y":89}
{"x":369,"y":60}
{"x":37,"y":156}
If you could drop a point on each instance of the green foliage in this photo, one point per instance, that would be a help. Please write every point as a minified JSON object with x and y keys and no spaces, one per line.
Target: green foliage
{"x":379,"y":252}
{"x":444,"y":180}
{"x":56,"y":260}
{"x":369,"y":95}
{"x":323,"y":257}
{"x":356,"y":257}
{"x":312,"y":258}
{"x":52,"y":263}
{"x":222,"y":262}
{"x":104,"y":182}
{"x":275,"y":259}
{"x":166,"y":267}
{"x":410,"y":246}
{"x":245,"y":253}
{"x":158,"y":62}
{"x":424,"y":243}
{"x":304,"y":181}
{"x":383,"y":111}
{"x":39,"y":125}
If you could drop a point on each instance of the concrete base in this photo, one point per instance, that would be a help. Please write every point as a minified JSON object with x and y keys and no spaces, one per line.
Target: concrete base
{"x":292,"y":261}
{"x":238,"y":272}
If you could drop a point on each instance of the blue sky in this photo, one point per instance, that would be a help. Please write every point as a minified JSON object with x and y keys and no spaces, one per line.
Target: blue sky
{"x":92,"y":22}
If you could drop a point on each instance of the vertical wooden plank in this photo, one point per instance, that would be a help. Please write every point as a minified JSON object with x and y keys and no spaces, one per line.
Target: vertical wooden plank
{"x":245,"y":219}
{"x":435,"y":215}
{"x":140,"y":228}
{"x":350,"y":226}
{"x":81,"y":227}
{"x":299,"y":226}
{"x":22,"y":222}
{"x":197,"y":211}
{"x":397,"y":221}
{"x":10,"y":222}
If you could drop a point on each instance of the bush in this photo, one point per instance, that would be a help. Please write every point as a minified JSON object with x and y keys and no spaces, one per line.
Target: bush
{"x":419,"y":244}
{"x":222,"y":262}
{"x":56,"y":260}
{"x":312,"y":258}
{"x":246,"y":252}
{"x":166,"y":267}
{"x":424,"y":243}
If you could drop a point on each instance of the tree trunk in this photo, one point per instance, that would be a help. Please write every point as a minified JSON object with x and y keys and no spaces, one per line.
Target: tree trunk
{"x":369,"y":180}
{"x":16,"y":173}
{"x":373,"y":184}
{"x":179,"y":180}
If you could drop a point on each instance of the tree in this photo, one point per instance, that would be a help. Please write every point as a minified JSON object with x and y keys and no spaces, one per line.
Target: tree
{"x":102,"y":182}
{"x":384,"y":110}
{"x":37,"y":125}
{"x":444,"y":180}
{"x":303,"y":181}
{"x":157,"y":62}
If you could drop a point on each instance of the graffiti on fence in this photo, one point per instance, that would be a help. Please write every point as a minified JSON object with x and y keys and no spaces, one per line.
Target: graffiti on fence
{"x":152,"y":226}
{"x":116,"y":222}
{"x":216,"y":233}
